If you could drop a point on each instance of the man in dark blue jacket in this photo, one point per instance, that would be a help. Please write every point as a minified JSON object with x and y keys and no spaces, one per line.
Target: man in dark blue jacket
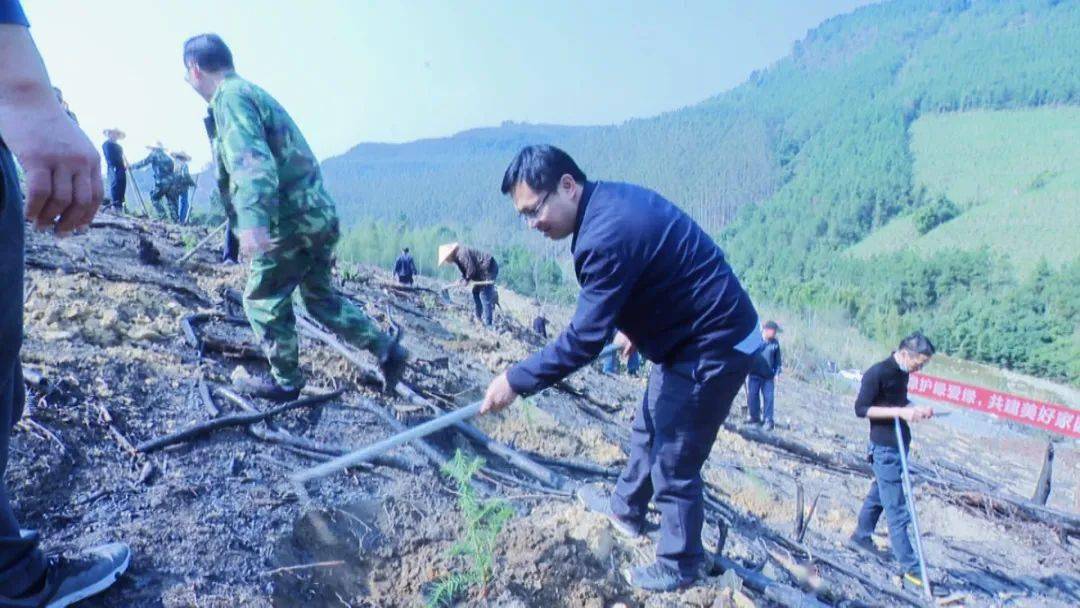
{"x":63,"y":193}
{"x":649,"y":272}
{"x":405,"y":267}
{"x":761,"y":383}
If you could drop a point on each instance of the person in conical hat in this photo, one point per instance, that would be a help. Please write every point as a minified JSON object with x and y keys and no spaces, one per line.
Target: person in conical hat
{"x":475,"y":267}
{"x":162,"y":166}
{"x":446,"y":251}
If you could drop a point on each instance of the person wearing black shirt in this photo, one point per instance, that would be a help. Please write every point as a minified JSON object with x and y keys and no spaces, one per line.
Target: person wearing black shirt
{"x":117,"y":170}
{"x":883,"y":399}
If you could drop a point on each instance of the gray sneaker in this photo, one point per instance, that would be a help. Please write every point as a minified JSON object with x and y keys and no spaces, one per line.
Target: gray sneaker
{"x":599,"y":501}
{"x":658,"y":577}
{"x":70,"y":580}
{"x":862,"y":544}
{"x":266,"y":388}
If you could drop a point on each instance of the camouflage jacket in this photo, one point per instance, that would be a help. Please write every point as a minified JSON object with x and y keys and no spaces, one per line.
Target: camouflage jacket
{"x":160,"y":163}
{"x":267,"y":175}
{"x":181,"y":180}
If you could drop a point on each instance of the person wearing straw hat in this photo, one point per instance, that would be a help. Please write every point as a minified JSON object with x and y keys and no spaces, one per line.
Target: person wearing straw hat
{"x":286,"y":222}
{"x":181,"y":185}
{"x":477,"y":267}
{"x":162,"y":167}
{"x":117,"y":172}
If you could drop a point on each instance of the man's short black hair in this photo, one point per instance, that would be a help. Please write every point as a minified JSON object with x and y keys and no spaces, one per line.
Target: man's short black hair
{"x":406,"y":250}
{"x":917,"y":343}
{"x":209,"y":52}
{"x":541,"y":167}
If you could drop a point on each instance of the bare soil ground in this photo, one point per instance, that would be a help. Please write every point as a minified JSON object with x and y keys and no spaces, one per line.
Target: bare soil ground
{"x":215,"y":523}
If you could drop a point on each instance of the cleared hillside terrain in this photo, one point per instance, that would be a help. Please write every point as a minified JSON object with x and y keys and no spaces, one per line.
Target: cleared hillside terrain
{"x":1015,"y":174}
{"x":215,"y":522}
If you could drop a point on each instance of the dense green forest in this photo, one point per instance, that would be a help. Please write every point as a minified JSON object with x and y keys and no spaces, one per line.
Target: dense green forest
{"x":797,"y":165}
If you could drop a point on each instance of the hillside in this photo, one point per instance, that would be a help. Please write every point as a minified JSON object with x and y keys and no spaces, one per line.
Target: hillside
{"x":808,"y":158}
{"x":1013,"y":174}
{"x":214,"y":521}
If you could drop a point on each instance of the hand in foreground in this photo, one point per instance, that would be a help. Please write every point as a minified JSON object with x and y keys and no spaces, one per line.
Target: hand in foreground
{"x":63,"y":169}
{"x":626,"y":347}
{"x":499,"y":395}
{"x":254,"y":241}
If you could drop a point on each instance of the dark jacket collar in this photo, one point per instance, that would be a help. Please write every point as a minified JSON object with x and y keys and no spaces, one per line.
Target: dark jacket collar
{"x":586,"y":194}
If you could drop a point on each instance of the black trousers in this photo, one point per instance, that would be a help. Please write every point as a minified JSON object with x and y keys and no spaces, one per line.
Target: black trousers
{"x":117,"y":186}
{"x":671,"y":436}
{"x":21,"y":562}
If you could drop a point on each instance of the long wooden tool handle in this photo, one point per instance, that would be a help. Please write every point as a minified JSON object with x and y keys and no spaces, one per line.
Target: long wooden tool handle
{"x":199,"y":245}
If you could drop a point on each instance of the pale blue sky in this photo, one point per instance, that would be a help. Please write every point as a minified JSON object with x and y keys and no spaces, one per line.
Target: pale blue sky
{"x":353,"y":71}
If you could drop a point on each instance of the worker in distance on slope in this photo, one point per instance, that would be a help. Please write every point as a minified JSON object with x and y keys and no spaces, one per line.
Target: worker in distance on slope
{"x":480,"y":269}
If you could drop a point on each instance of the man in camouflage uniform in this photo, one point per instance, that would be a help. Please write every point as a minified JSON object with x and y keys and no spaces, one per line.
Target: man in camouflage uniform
{"x":162,"y":166}
{"x":285,"y":221}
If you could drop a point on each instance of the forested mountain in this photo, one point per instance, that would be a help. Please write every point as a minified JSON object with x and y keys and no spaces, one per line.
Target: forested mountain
{"x":803,"y":161}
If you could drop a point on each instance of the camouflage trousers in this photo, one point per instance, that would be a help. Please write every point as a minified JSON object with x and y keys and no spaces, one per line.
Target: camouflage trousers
{"x":298,"y":270}
{"x":165,"y":208}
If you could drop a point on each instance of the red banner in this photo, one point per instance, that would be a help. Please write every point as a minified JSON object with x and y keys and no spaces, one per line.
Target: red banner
{"x":1049,"y":416}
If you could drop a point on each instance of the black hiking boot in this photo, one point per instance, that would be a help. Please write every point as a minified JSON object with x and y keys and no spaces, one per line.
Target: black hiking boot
{"x":598,"y":501}
{"x":393,"y":362}
{"x":266,"y":388}
{"x":72,"y":579}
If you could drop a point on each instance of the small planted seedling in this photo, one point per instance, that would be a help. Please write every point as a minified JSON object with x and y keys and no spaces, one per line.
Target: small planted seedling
{"x":529,"y":410}
{"x":483,"y":520}
{"x":189,"y":240}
